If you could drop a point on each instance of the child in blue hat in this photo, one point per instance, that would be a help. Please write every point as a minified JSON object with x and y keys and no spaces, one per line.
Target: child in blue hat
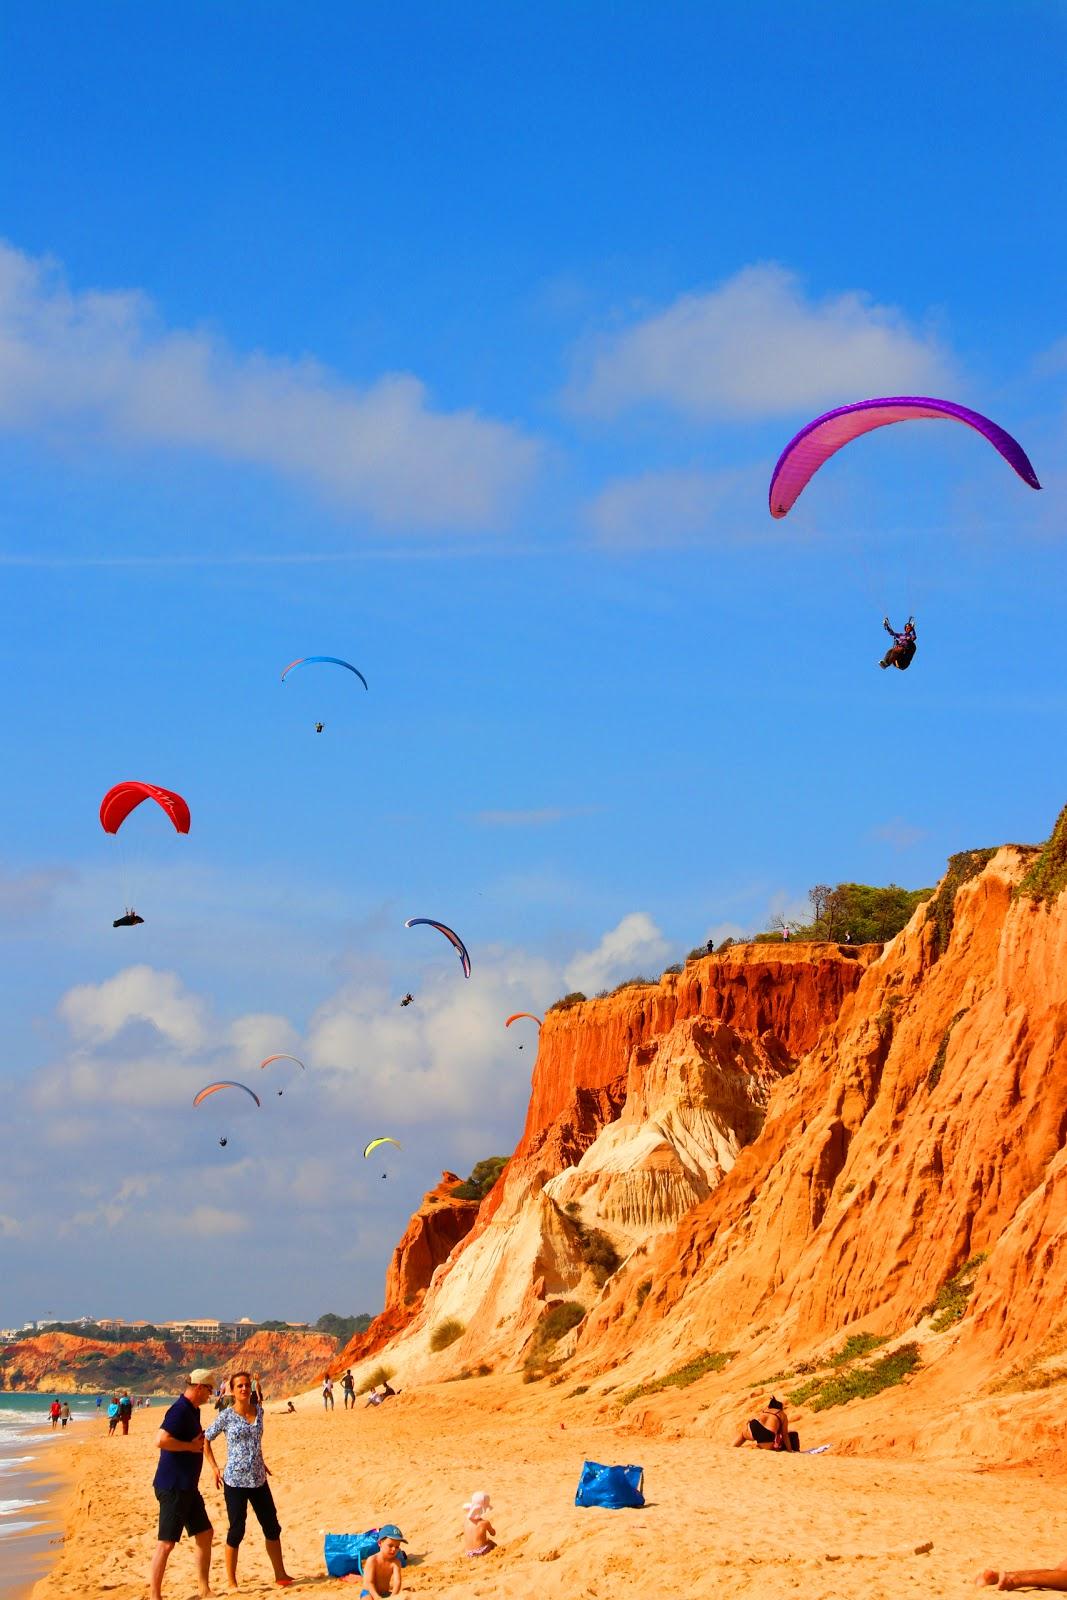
{"x":382,"y":1572}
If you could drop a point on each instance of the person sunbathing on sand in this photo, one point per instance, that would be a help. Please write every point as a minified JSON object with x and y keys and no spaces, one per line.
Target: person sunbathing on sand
{"x":477,"y":1529}
{"x":768,"y":1431}
{"x":382,"y":1572}
{"x":1026,"y":1578}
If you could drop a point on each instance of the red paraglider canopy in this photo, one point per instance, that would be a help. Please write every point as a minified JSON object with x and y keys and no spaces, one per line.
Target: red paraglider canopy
{"x":117,"y":804}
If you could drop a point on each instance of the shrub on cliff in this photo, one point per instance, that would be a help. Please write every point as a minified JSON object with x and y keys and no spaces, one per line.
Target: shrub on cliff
{"x":951,"y":1300}
{"x":557,"y":1320}
{"x":446,"y":1333}
{"x":1048,"y":875}
{"x":575,"y":998}
{"x":379,"y":1376}
{"x":598,"y":1252}
{"x":962,"y":867}
{"x":483,"y":1176}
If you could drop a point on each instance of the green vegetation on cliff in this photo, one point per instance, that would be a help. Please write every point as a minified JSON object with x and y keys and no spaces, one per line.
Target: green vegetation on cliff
{"x":483,"y":1176}
{"x":1048,"y":876}
{"x":862,"y":912}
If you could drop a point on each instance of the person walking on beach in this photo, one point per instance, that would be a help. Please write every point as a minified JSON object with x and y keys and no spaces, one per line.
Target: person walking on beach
{"x":327,"y":1393}
{"x":64,"y":1415}
{"x":176,"y":1483}
{"x":125,"y":1410}
{"x":112,"y":1414}
{"x":243,"y":1480}
{"x":348,"y":1384}
{"x":54,"y":1410}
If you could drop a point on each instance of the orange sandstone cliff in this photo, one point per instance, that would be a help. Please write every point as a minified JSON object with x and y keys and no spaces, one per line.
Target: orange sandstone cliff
{"x":639,"y":1104}
{"x":731,"y":1173}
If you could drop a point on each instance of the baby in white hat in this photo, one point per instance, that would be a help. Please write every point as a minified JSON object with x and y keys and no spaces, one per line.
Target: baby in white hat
{"x":477,"y":1529}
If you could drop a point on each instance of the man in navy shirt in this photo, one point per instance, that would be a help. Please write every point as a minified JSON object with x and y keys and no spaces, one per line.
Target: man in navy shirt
{"x":181,"y":1505}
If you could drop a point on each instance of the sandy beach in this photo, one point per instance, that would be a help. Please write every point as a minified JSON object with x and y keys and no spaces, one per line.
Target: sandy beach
{"x":715,"y":1519}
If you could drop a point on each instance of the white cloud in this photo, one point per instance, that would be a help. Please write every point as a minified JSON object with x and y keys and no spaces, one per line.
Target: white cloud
{"x":666,"y":508}
{"x":100,"y":361}
{"x":757,"y":346}
{"x":260,"y":1034}
{"x":440,"y":1058}
{"x":97,"y":1012}
{"x":634,"y":946}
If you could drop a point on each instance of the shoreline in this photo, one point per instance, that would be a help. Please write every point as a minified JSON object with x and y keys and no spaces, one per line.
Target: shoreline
{"x":911,"y":1529}
{"x":28,"y":1553}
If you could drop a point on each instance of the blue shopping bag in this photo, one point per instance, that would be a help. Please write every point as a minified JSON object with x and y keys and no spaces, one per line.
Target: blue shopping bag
{"x":345,"y":1553}
{"x":613,"y":1487}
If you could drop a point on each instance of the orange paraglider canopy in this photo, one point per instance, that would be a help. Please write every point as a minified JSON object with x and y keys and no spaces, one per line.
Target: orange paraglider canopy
{"x":519,"y":1014}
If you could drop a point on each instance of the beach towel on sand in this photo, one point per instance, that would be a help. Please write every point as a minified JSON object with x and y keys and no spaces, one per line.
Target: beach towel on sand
{"x":345,"y":1553}
{"x":613,"y":1487}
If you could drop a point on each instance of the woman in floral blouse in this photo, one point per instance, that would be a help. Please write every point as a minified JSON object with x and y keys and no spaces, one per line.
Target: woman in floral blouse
{"x":243,"y":1479}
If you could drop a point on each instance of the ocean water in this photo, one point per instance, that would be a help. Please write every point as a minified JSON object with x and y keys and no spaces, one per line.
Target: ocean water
{"x":26,"y":1444}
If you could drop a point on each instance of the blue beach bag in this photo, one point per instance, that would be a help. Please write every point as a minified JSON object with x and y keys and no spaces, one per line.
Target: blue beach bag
{"x":613,"y":1487}
{"x":345,"y":1553}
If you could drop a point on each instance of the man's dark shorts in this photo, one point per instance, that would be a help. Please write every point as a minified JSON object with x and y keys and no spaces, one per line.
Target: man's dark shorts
{"x":181,"y":1509}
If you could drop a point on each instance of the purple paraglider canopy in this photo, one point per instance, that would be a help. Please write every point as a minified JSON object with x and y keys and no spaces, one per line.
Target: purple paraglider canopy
{"x":819,"y":440}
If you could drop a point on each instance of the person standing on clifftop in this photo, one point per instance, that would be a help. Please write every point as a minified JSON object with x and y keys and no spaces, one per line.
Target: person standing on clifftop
{"x":177,"y":1484}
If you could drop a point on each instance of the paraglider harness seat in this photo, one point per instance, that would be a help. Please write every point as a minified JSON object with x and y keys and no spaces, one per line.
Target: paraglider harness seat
{"x":902,"y":651}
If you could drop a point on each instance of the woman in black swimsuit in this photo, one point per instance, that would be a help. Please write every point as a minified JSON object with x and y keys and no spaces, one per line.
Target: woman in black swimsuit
{"x":768,"y":1431}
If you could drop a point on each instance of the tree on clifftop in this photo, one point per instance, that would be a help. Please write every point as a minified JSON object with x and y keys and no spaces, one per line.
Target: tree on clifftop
{"x":866,"y":914}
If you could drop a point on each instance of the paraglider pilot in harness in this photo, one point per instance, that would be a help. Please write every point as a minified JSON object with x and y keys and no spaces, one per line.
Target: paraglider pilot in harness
{"x":902,"y":649}
{"x":130,"y":920}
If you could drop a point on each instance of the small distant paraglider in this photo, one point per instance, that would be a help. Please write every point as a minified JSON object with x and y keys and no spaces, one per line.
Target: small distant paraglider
{"x":450,"y":934}
{"x":332,"y":661}
{"x":817,"y":441}
{"x":130,"y":920}
{"x":216,"y":1088}
{"x":375,"y":1144}
{"x":407,"y":1000}
{"x":282,"y":1056}
{"x":517,"y":1017}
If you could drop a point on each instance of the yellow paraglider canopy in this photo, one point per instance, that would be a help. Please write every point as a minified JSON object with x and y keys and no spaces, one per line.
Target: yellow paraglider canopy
{"x":376,"y":1142}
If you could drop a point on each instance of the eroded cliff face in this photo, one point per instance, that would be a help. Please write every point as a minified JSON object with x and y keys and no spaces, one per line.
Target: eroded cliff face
{"x":437,"y":1227}
{"x":787,"y":1147}
{"x":640,"y":1104}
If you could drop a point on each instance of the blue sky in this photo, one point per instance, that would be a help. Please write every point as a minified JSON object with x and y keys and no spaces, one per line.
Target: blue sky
{"x":461,"y":342}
